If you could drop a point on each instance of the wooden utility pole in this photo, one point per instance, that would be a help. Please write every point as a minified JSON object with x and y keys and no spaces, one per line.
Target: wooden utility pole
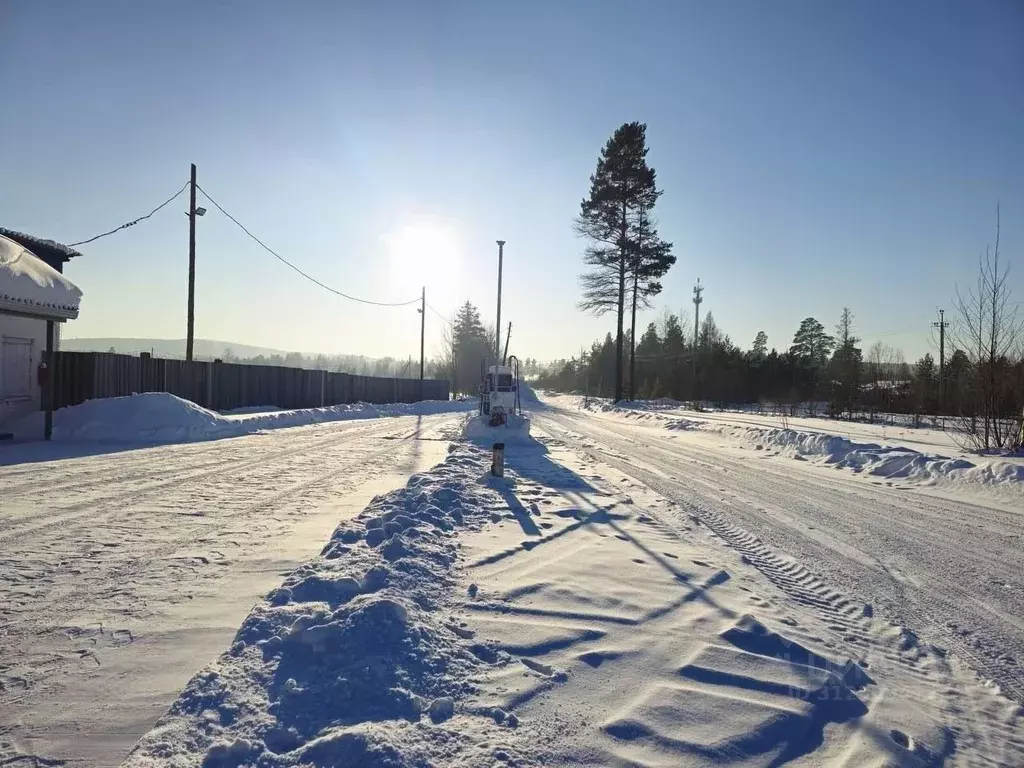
{"x":190,"y":333}
{"x":497,"y":324}
{"x":698,"y":289}
{"x":508,"y":335}
{"x":942,"y":325}
{"x":423,"y":330}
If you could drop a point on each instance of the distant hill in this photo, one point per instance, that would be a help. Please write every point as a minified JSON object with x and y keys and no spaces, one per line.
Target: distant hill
{"x":171,"y":348}
{"x":211,"y":349}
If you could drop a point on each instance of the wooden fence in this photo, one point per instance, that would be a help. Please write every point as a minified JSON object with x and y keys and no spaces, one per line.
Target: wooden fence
{"x":81,"y":376}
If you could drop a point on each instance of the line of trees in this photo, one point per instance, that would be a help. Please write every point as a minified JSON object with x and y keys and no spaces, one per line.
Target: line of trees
{"x":388,"y":367}
{"x":818,"y":373}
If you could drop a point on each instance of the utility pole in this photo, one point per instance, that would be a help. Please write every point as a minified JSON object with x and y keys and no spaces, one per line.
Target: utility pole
{"x":423,"y":331}
{"x":508,"y":335}
{"x":497,"y":325}
{"x":942,"y":325}
{"x":698,"y":289}
{"x":190,"y":334}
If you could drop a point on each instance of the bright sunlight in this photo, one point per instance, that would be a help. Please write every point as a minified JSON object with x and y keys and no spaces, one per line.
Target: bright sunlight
{"x":427,"y":253}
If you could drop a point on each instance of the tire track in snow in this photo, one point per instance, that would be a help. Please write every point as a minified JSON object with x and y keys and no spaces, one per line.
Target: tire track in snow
{"x":123,"y":584}
{"x":63,"y":515}
{"x":141,"y":558}
{"x":1006,"y":675}
{"x":94,"y":474}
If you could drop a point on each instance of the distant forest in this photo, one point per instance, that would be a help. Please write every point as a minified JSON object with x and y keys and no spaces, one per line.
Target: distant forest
{"x":209,"y":349}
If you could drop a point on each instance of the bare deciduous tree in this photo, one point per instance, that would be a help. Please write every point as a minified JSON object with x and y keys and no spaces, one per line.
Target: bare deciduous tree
{"x":989,"y":330}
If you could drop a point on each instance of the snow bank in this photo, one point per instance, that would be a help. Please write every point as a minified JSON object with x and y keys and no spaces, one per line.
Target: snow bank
{"x":158,"y":417}
{"x":527,"y":393}
{"x":895,"y":462}
{"x":477,"y":429}
{"x":355,"y":660}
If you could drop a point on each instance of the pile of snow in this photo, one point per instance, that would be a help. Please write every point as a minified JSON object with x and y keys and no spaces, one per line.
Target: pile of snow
{"x":527,"y":394}
{"x":159,"y":417}
{"x":30,"y":285}
{"x":894,"y":462}
{"x":355,"y":660}
{"x":478,"y":429}
{"x":250,"y":409}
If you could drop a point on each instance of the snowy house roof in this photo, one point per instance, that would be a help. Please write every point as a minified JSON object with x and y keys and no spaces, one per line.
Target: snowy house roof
{"x":30,"y":286}
{"x":53,"y":253}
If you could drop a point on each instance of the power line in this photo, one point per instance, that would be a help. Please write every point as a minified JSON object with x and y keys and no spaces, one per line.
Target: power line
{"x":438,"y":313}
{"x":135,"y":221}
{"x":309,"y":277}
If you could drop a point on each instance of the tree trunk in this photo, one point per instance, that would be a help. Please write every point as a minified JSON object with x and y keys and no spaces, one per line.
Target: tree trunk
{"x":622,"y":303}
{"x":632,"y":345}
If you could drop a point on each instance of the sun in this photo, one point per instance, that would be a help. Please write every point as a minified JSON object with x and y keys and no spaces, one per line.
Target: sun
{"x":423,"y":252}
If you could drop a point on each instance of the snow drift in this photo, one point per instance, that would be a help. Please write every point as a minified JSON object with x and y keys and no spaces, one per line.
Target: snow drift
{"x":353,"y":661}
{"x":159,"y":417}
{"x":894,"y":462}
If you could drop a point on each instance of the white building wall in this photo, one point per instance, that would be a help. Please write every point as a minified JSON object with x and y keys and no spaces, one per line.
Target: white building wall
{"x":22,"y":344}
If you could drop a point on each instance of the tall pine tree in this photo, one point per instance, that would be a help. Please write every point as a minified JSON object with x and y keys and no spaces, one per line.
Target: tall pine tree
{"x":618,"y":186}
{"x":470,"y":345}
{"x":846,"y":364}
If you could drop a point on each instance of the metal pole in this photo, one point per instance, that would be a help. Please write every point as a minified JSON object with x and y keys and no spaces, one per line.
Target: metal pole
{"x":190,"y":334}
{"x":497,"y":325}
{"x":508,"y":335}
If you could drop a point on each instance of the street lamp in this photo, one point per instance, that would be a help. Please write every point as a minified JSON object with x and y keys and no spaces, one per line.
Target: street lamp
{"x":497,"y":327}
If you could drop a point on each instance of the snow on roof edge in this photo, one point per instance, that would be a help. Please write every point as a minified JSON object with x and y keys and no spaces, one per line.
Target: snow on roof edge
{"x":30,"y":286}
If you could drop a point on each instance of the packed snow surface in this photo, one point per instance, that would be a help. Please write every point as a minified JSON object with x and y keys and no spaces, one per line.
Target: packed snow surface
{"x":159,"y":417}
{"x":560,"y":617}
{"x":652,"y":588}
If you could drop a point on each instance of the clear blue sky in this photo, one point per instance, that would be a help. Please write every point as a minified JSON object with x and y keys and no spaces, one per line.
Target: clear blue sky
{"x":813,"y":155}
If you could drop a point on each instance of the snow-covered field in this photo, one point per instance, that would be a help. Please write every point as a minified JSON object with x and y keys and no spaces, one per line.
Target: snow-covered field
{"x":652,"y":589}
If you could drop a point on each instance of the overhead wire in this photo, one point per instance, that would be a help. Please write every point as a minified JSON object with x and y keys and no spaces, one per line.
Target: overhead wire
{"x":438,"y":313}
{"x":134,"y":221}
{"x":306,"y":275}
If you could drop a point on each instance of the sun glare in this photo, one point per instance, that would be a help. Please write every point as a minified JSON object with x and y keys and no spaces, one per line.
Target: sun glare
{"x":423,"y":253}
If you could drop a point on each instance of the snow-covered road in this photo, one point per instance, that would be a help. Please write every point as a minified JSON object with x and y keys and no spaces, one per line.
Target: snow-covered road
{"x":125,"y":573}
{"x":948,"y":568}
{"x":122,"y":572}
{"x":567,"y":614}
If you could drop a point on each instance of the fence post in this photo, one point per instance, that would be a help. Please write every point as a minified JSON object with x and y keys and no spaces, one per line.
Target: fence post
{"x":209,"y":386}
{"x":323,"y":386}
